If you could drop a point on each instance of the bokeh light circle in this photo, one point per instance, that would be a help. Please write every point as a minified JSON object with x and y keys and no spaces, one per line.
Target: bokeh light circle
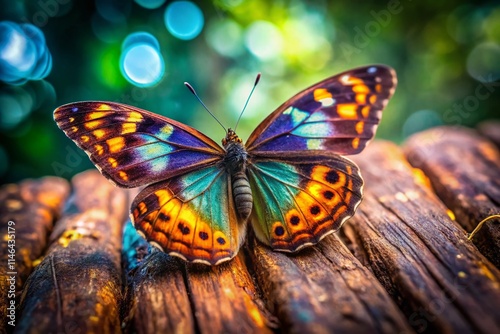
{"x":23,"y":53}
{"x":16,"y":51}
{"x":141,"y":62}
{"x":138,"y":38}
{"x":12,"y":112}
{"x":483,"y":62}
{"x":226,"y":37}
{"x":142,"y":65}
{"x":150,"y":4}
{"x":184,"y":19}
{"x":264,"y":40}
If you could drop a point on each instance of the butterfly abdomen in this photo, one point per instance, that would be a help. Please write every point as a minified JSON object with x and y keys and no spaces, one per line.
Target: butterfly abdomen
{"x":235,"y":163}
{"x":242,"y":194}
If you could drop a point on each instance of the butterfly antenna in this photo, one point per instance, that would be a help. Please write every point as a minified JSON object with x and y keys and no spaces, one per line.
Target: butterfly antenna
{"x":203,"y":104}
{"x":248,"y":99}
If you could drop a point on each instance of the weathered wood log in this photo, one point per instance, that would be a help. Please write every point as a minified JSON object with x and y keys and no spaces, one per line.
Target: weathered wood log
{"x":490,"y":130}
{"x":156,"y":295}
{"x":168,"y":295}
{"x":27,"y":213}
{"x":324,"y":289}
{"x":225,"y":299}
{"x":77,"y":286}
{"x":421,"y":256}
{"x":464,"y":169}
{"x":405,"y":246}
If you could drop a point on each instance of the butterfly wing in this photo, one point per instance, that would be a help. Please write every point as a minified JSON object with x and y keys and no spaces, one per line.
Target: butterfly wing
{"x":339,"y":114}
{"x":191,"y":216}
{"x":133,"y":147}
{"x":299,"y":200}
{"x":303,"y":189}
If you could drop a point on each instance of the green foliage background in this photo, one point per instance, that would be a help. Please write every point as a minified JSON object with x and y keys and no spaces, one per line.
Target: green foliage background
{"x":439,"y":50}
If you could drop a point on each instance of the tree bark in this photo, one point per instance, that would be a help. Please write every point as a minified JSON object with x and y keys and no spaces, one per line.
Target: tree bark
{"x":77,"y":286}
{"x":324,"y":289}
{"x":27,"y":214}
{"x":421,"y":256}
{"x":464,"y":169}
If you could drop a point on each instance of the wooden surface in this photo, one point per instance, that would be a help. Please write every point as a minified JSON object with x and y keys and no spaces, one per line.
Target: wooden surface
{"x":490,"y":130}
{"x":422,"y":257}
{"x":31,"y":207}
{"x":464,"y":169}
{"x":78,"y":284}
{"x":402,"y":264}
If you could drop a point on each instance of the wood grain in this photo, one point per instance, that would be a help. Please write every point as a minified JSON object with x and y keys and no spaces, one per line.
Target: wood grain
{"x":421,"y":256}
{"x":464,"y":169}
{"x":225,"y":299}
{"x":324,"y":289}
{"x":491,"y":130}
{"x":168,"y":295}
{"x":31,"y":206}
{"x":156,"y":296}
{"x":402,"y":264}
{"x":77,"y":286}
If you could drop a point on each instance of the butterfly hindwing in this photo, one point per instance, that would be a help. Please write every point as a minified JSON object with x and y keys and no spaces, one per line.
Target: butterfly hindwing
{"x":300,"y":200}
{"x":134,"y":147}
{"x":339,"y":114}
{"x":191,"y":216}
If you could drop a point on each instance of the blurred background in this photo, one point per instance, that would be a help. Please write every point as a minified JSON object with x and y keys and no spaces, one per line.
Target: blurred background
{"x":139,"y":52}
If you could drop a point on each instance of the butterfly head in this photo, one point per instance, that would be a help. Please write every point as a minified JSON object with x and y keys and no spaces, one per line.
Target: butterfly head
{"x":231,"y":137}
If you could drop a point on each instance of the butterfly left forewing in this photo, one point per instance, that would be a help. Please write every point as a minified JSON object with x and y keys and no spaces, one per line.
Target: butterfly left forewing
{"x":191,"y":216}
{"x":339,"y":114}
{"x":299,"y":200}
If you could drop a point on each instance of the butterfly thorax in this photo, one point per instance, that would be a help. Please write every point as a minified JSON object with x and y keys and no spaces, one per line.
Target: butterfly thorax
{"x":236,"y":154}
{"x":235,"y":164}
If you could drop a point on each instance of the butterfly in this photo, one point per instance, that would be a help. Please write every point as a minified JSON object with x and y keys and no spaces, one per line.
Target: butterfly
{"x":289,"y":181}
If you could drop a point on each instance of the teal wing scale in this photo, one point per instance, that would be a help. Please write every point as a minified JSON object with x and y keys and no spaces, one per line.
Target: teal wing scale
{"x":191,"y":216}
{"x":298,"y":201}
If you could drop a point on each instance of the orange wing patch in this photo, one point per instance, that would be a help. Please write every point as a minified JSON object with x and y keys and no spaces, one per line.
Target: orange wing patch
{"x":115,"y":144}
{"x":104,"y":106}
{"x":355,"y":143}
{"x":97,"y":114}
{"x":99,"y":149}
{"x":98,"y":134}
{"x":179,"y":230}
{"x":93,"y":124}
{"x":348,"y":110}
{"x":361,"y":98}
{"x":321,"y":206}
{"x":129,"y":128}
{"x":321,"y":93}
{"x":350,"y":80}
{"x":323,"y":96}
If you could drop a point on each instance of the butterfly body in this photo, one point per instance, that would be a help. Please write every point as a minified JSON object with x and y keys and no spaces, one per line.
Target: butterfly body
{"x":235,"y":164}
{"x":289,"y":181}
